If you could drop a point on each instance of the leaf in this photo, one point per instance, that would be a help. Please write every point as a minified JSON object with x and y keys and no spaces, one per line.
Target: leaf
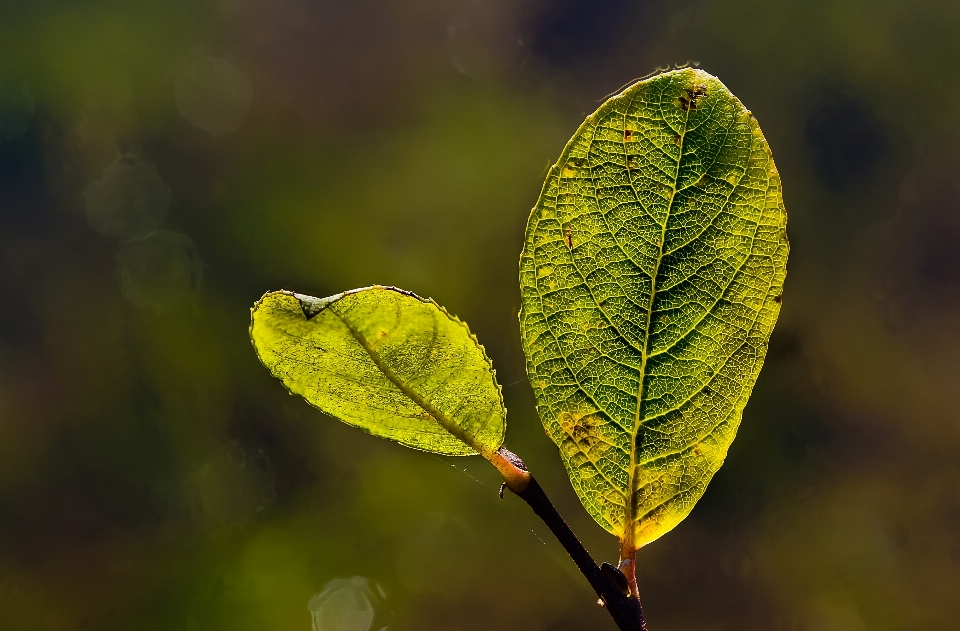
{"x":651,"y":277}
{"x":386,"y":361}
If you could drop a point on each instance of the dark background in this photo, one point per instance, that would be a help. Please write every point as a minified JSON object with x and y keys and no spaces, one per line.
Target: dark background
{"x":165,"y":162}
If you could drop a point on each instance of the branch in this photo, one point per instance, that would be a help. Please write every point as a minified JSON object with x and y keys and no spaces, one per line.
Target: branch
{"x":623,"y":607}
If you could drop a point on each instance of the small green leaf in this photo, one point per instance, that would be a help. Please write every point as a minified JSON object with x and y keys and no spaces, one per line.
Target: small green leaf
{"x":651,"y":277}
{"x":386,"y":361}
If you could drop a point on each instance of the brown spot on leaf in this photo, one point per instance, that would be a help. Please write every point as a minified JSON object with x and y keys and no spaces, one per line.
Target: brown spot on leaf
{"x":778,"y":298}
{"x":379,"y":339}
{"x":677,"y":140}
{"x":627,"y":135}
{"x":568,"y":237}
{"x":690,"y":96}
{"x":581,"y":431}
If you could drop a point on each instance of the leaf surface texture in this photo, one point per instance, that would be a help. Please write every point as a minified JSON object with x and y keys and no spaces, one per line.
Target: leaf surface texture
{"x":651,"y":276}
{"x":386,"y":361}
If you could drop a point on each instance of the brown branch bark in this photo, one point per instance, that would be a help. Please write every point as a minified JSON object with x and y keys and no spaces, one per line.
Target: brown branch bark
{"x":621,"y":601}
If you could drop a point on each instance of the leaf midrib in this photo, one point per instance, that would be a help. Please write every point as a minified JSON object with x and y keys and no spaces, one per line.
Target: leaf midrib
{"x":442,"y":419}
{"x":629,"y":526}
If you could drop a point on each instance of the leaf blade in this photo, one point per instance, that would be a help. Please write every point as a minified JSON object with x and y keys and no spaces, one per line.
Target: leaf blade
{"x":656,"y":250}
{"x":387,"y":361}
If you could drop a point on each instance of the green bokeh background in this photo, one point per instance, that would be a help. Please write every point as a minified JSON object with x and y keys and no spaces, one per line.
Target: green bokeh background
{"x":153,"y":476}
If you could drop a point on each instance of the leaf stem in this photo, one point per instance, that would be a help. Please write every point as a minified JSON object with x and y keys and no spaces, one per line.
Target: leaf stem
{"x":625,"y":609}
{"x":628,"y":565}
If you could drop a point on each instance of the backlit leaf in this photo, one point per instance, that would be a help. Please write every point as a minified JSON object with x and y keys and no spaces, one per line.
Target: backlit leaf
{"x":386,"y":361}
{"x":651,"y":274}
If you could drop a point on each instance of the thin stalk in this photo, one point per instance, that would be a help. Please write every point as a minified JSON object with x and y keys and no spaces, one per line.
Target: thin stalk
{"x":628,"y":565}
{"x":623,"y":607}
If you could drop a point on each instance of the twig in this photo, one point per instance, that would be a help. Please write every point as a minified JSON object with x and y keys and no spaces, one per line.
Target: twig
{"x":623,"y":607}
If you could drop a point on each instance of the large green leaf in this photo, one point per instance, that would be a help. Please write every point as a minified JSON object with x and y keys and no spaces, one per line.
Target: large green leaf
{"x":386,"y":361}
{"x":651,"y":273}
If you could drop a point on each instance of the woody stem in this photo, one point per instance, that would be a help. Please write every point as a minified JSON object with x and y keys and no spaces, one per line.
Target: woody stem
{"x":625,"y":609}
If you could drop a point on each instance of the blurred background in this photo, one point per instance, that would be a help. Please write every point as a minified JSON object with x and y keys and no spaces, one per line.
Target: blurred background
{"x":163,"y":163}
